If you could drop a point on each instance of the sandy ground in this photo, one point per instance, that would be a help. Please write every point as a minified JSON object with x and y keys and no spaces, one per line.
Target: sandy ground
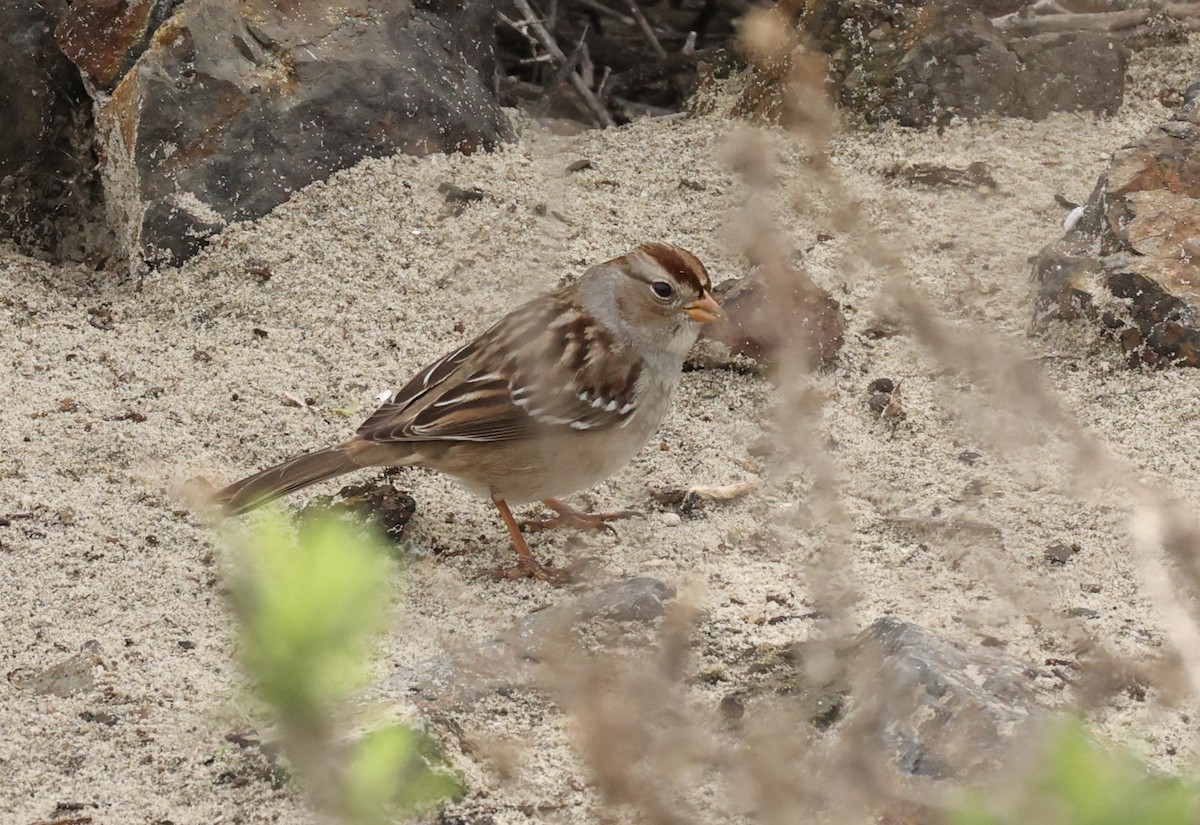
{"x":370,"y":277}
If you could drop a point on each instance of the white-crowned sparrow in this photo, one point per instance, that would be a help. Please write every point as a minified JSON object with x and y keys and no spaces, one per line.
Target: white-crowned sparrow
{"x":558,"y":395}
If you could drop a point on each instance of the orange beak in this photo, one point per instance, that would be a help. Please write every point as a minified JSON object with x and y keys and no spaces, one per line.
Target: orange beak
{"x":704,"y":309}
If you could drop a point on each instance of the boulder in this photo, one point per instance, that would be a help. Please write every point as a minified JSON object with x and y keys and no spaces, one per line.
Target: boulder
{"x":801,"y":316}
{"x":105,"y":37}
{"x":919,"y":62}
{"x":233,"y":105}
{"x":50,"y":197}
{"x":1130,"y":258}
{"x":950,"y":710}
{"x":931,"y":707}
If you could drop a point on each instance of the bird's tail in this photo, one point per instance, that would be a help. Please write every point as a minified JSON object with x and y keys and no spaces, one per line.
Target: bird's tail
{"x":291,"y":475}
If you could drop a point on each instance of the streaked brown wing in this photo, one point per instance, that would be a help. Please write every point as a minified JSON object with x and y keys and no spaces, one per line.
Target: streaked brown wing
{"x":539,"y":368}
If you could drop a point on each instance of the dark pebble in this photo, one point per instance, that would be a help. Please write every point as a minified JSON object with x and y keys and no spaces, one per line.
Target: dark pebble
{"x":1060,"y":553}
{"x":879,"y":401}
{"x":732,"y":707}
{"x":99,"y":717}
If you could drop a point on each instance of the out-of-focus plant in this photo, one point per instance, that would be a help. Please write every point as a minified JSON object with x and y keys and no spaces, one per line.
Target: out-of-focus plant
{"x":310,"y":602}
{"x":1077,"y":781}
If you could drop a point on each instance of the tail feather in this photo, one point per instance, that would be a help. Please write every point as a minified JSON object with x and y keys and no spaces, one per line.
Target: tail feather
{"x":291,"y":475}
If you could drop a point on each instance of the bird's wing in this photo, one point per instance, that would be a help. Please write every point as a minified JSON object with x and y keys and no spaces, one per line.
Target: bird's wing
{"x":545,"y":366}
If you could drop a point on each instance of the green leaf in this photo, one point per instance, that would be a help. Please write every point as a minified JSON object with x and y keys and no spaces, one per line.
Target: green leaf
{"x":1081,"y":782}
{"x":310,"y":604}
{"x":390,"y":774}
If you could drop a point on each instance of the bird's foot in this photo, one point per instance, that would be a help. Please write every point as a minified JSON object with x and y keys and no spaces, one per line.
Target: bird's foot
{"x":567,"y":516}
{"x":531,"y":567}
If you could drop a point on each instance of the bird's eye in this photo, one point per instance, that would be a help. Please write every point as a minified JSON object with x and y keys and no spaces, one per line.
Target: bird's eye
{"x":662,"y":289}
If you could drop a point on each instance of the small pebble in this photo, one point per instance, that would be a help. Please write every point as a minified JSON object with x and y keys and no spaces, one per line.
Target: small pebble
{"x":1060,"y":553}
{"x":672,"y":519}
{"x":732,"y":707}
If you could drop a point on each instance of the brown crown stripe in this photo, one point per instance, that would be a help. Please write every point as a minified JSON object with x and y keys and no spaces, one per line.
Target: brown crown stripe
{"x":685,"y":266}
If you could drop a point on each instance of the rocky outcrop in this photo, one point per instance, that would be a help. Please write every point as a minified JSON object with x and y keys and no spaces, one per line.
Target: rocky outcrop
{"x":1130,"y":259}
{"x":214,"y":111}
{"x":234,"y":106}
{"x":918,"y":62}
{"x":105,"y":37}
{"x":50,"y":198}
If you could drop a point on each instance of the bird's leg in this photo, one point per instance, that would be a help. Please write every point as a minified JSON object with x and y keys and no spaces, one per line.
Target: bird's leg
{"x":526,"y":564}
{"x":567,"y":516}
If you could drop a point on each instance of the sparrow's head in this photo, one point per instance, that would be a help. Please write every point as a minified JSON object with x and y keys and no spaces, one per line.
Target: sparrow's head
{"x":661,"y":295}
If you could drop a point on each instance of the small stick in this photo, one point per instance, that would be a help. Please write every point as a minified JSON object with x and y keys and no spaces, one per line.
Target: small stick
{"x":646,"y":30}
{"x":1110,"y":21}
{"x":586,"y":68}
{"x":521,"y":28}
{"x":551,"y":46}
{"x":613,"y":13}
{"x":602,"y":89}
{"x":689,"y":45}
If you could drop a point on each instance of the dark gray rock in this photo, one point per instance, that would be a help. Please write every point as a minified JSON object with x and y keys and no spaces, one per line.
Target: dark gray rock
{"x":1067,"y":72}
{"x":1130,"y":258}
{"x":105,"y":37}
{"x":918,"y":62}
{"x":75,"y":674}
{"x":234,"y":106}
{"x":944,"y":709}
{"x":50,"y":196}
{"x":502,"y":663}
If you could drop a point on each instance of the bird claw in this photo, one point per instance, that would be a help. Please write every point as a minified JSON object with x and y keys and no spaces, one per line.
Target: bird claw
{"x":556,"y":576}
{"x":567,"y":517}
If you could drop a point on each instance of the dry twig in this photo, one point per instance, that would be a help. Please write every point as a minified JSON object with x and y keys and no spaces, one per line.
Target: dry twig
{"x":551,"y":45}
{"x":644,"y":24}
{"x":1109,"y":21}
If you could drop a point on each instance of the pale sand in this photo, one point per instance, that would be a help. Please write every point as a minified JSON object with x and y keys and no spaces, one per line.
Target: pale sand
{"x":370,"y":279}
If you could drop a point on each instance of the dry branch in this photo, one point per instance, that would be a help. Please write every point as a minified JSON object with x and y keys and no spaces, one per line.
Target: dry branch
{"x":551,"y":45}
{"x":1110,"y":21}
{"x":644,"y":24}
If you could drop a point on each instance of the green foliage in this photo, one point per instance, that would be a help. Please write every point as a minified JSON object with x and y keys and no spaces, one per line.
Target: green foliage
{"x":308,"y":609}
{"x":310,"y":604}
{"x":1078,"y":782}
{"x":389,"y":775}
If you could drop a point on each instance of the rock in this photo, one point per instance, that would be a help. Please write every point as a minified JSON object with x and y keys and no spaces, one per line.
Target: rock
{"x":945,"y":709}
{"x":373,"y":502}
{"x":935,"y":708}
{"x":1130,"y":259}
{"x":50,"y":197}
{"x":1068,"y":72}
{"x":502,"y":663}
{"x":236,"y":104}
{"x":918,"y":62}
{"x":975,"y":176}
{"x":883,"y":399}
{"x":1061,"y":553}
{"x":807,"y":317}
{"x":104,"y":37}
{"x":637,"y":599}
{"x":68,"y":677}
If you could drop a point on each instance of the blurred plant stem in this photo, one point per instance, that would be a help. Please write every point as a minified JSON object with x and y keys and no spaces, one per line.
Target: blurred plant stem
{"x":310,"y":602}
